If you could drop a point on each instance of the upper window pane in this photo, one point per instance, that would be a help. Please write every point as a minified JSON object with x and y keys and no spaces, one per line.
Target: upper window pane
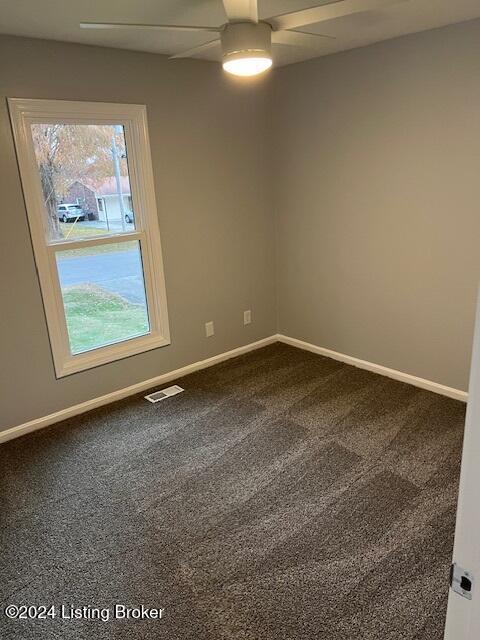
{"x":84,"y":176}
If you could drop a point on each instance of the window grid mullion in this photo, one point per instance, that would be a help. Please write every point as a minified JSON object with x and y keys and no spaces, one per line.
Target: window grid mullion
{"x":70,"y":245}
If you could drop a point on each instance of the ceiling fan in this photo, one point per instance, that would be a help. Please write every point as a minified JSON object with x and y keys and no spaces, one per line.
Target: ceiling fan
{"x":247,"y":42}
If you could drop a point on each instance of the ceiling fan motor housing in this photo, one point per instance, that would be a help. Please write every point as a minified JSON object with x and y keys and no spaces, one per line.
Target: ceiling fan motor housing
{"x":246,"y":40}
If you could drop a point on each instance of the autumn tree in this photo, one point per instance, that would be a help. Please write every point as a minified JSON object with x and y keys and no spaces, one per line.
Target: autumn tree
{"x":66,"y":153}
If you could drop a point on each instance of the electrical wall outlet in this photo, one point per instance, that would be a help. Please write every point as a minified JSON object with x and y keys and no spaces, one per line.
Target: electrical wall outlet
{"x":209,"y":329}
{"x":247,"y":317}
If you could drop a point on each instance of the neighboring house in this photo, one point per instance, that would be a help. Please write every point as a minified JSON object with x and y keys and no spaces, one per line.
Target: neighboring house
{"x":80,"y":193}
{"x":100,"y":199}
{"x":108,"y":200}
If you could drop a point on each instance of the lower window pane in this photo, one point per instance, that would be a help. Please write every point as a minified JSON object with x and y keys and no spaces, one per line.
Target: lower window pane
{"x":103,"y":293}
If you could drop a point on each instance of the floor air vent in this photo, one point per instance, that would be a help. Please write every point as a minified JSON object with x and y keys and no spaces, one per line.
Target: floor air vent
{"x":156,"y":396}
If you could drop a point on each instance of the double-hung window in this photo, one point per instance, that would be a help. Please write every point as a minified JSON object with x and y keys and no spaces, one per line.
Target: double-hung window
{"x":87,"y":178}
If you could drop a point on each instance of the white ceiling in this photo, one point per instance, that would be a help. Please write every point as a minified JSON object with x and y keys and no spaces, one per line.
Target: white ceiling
{"x":59,"y":20}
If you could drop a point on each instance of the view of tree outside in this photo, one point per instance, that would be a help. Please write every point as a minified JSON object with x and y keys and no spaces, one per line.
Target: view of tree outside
{"x":66,"y":153}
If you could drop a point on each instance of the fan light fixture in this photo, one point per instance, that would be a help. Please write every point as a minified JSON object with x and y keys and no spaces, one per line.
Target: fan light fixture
{"x":247,"y":42}
{"x":247,"y":48}
{"x":246,"y":64}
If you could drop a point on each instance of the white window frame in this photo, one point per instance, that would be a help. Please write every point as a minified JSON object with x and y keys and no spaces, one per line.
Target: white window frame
{"x":24,"y":113}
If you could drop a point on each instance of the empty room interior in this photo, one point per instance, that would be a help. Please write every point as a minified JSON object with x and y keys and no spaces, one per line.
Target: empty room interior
{"x":240,"y":376}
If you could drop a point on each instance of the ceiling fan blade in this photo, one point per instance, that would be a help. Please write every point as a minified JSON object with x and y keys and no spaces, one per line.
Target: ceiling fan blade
{"x":241,"y":10}
{"x":190,"y":53}
{"x":324,"y":12}
{"x":164,"y":27}
{"x":300,"y":39}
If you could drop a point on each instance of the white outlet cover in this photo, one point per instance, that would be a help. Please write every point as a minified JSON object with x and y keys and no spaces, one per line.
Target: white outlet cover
{"x":247,"y":317}
{"x":209,"y":329}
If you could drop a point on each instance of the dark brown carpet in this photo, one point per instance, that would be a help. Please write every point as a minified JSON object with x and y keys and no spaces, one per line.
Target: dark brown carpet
{"x":282,"y":496}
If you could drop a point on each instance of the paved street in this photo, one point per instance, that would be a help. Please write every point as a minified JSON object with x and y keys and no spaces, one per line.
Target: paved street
{"x":119,"y":272}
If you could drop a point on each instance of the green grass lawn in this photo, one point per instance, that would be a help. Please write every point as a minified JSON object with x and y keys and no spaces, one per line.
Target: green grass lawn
{"x":96,"y":317}
{"x":73,"y":231}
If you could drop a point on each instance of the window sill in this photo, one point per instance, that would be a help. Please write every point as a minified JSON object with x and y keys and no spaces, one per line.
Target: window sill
{"x":104,"y":355}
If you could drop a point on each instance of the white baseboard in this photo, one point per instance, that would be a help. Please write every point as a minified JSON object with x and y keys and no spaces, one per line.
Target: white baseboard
{"x":377,"y":368}
{"x":69,"y":412}
{"x":83,"y":407}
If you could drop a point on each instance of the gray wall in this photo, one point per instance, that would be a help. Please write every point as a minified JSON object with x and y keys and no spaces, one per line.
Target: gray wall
{"x":211,"y":167}
{"x":369,"y":160}
{"x":377,"y":188}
